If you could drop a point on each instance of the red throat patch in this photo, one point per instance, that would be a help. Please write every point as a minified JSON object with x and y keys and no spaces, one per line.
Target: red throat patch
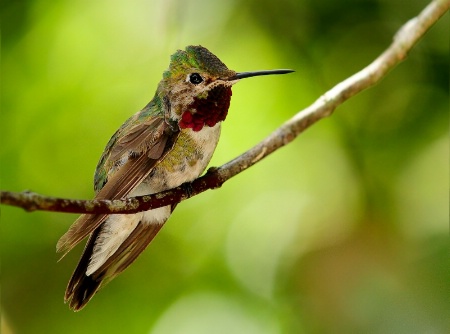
{"x":207,"y":111}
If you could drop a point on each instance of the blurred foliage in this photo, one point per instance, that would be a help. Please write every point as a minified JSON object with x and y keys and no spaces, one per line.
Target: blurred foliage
{"x":343,"y":231}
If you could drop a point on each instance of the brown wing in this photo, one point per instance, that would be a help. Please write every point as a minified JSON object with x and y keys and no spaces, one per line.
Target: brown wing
{"x":82,"y":288}
{"x":142,"y":137}
{"x":146,"y":144}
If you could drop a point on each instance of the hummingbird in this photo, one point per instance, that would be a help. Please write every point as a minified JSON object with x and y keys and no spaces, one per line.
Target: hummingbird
{"x":166,"y":144}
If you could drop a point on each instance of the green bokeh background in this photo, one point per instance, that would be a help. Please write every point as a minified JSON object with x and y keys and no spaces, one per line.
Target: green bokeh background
{"x":343,"y":231}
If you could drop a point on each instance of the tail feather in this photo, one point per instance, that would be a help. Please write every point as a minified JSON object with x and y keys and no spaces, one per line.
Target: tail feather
{"x":82,"y":227}
{"x":82,"y":288}
{"x":76,"y":296}
{"x":134,"y":245}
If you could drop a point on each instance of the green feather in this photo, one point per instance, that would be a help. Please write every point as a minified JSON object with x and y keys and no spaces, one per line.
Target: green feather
{"x":196,"y":57}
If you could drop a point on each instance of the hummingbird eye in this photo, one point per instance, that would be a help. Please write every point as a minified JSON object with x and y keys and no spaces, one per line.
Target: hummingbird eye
{"x":195,"y":78}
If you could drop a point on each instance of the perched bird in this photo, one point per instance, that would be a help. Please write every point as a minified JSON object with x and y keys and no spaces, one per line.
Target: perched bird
{"x":169,"y":142}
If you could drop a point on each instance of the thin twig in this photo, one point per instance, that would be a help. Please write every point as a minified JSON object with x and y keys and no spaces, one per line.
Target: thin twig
{"x":408,"y":35}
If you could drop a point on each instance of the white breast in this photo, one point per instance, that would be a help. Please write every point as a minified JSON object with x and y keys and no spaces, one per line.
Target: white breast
{"x":187,"y":160}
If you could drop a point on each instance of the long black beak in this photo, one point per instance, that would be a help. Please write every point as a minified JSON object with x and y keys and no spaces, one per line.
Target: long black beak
{"x":243,"y":75}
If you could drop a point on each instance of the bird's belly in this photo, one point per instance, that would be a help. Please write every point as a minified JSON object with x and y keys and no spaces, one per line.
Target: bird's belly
{"x":186,"y":161}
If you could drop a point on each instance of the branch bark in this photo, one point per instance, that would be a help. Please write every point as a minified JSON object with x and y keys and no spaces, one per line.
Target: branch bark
{"x":404,"y":40}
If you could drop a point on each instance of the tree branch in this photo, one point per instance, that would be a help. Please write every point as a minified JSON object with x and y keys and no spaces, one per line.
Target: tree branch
{"x":408,"y":35}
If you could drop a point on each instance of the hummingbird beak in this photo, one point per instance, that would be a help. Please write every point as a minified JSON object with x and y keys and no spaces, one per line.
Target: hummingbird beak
{"x":243,"y":75}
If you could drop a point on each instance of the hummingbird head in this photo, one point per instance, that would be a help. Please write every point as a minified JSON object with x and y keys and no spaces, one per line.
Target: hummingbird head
{"x":197,"y":87}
